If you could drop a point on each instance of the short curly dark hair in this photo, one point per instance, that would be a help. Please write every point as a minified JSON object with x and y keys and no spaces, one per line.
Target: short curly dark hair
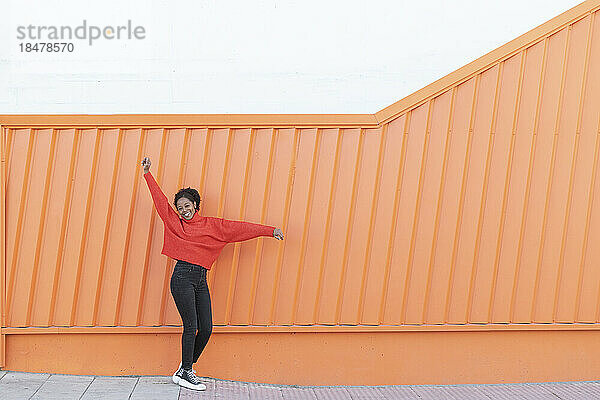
{"x":190,"y":194}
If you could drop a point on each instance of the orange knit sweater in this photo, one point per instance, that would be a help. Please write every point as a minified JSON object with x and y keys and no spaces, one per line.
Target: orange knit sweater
{"x":200,"y":239}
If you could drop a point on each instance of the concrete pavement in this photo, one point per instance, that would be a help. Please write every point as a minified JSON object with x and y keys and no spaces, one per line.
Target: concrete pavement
{"x":25,"y":385}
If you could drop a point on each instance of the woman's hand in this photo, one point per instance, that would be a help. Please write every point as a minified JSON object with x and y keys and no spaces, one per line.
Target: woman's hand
{"x":277,"y":234}
{"x":146,"y":164}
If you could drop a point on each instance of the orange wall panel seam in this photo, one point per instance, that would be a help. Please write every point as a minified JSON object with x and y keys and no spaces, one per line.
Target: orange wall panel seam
{"x":2,"y":244}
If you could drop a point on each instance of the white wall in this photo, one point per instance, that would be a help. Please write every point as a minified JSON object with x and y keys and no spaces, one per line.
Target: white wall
{"x":268,"y":56}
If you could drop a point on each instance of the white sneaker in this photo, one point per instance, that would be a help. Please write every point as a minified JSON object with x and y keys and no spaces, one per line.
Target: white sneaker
{"x":177,"y":374}
{"x":190,"y":381}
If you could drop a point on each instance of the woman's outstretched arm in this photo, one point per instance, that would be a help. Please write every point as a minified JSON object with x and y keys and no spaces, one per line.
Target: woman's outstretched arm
{"x":238,"y":231}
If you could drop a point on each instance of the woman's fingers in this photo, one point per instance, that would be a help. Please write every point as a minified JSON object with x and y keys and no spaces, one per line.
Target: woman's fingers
{"x":146,"y":162}
{"x":278,"y":234}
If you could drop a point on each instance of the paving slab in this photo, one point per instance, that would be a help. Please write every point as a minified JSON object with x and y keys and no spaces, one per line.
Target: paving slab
{"x":20,"y":385}
{"x":231,"y":390}
{"x":398,"y":393}
{"x":264,"y":392}
{"x":298,"y":393}
{"x":518,"y":391}
{"x":365,"y":393}
{"x":63,"y":387}
{"x":450,"y":392}
{"x":155,"y":388}
{"x":575,"y":390}
{"x":110,"y":388}
{"x":331,"y":393}
{"x":2,"y":373}
{"x":499,"y":392}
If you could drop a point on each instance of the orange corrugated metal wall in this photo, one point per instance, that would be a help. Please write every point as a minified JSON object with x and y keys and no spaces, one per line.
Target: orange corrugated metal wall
{"x":474,"y":206}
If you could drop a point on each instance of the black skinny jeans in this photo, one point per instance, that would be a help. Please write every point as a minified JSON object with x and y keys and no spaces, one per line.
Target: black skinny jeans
{"x":190,"y":292}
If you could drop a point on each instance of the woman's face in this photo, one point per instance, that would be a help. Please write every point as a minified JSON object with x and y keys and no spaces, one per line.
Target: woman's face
{"x":185,"y":208}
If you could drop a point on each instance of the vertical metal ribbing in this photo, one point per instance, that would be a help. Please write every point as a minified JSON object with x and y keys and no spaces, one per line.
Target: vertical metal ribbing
{"x":263,"y":216}
{"x":3,"y":158}
{"x":591,"y":202}
{"x":88,"y":208}
{"x":342,"y":283}
{"x":8,"y":144}
{"x":511,"y":153}
{"x":561,"y":259}
{"x":134,"y":192}
{"x":236,"y":250}
{"x":63,"y":227}
{"x":586,"y":67}
{"x":484,"y":193}
{"x":415,"y":224}
{"x":5,"y":142}
{"x":107,"y":225}
{"x":571,"y":178}
{"x":220,"y":209}
{"x":221,"y":206}
{"x":376,"y":190}
{"x":392,"y":237}
{"x":306,"y":224}
{"x":522,"y":229}
{"x":326,"y":238}
{"x":144,"y":277}
{"x":528,"y":183}
{"x":202,"y":183}
{"x":169,"y":260}
{"x":550,"y":181}
{"x":4,"y":153}
{"x":19,"y":232}
{"x":286,"y":217}
{"x":207,"y":144}
{"x":587,"y":224}
{"x":461,"y":201}
{"x":42,"y":225}
{"x":438,"y":211}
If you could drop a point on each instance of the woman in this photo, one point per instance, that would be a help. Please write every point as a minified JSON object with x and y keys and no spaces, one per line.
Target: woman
{"x":195,"y":242}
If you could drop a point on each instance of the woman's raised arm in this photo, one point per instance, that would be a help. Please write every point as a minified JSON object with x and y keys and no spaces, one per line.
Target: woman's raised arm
{"x":161,"y":203}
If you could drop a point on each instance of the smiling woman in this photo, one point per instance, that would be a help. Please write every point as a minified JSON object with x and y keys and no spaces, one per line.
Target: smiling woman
{"x":187,"y":202}
{"x":195,"y":242}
